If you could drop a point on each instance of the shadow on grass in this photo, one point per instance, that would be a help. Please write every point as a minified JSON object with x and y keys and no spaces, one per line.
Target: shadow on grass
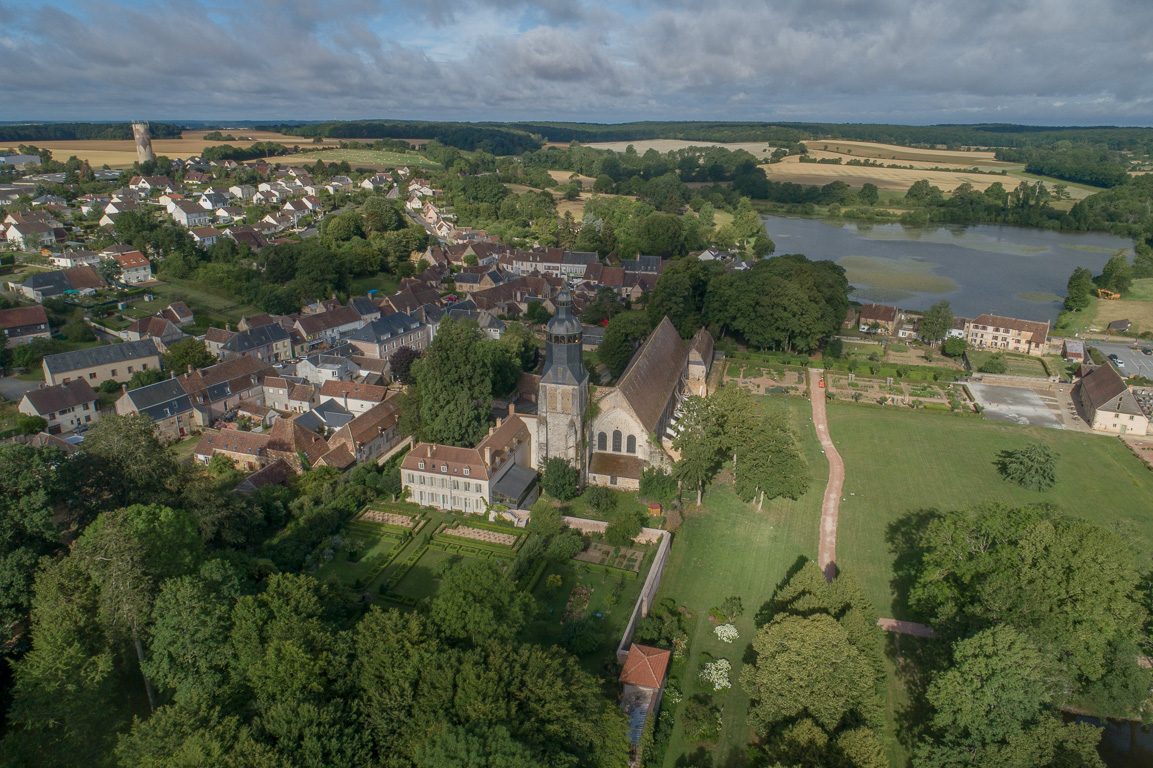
{"x":904,"y":539}
{"x":914,"y":660}
{"x":765,"y":613}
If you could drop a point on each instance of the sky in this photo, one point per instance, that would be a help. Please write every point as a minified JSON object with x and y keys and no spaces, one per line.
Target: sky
{"x":1051,"y":62}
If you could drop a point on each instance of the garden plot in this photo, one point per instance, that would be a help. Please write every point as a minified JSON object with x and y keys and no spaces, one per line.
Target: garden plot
{"x":763,"y":377}
{"x":613,"y":557}
{"x":388,"y":518}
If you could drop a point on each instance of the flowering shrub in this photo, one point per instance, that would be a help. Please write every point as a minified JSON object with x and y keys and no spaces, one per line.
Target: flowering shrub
{"x":716,"y":673}
{"x":726,"y":632}
{"x":673,"y":694}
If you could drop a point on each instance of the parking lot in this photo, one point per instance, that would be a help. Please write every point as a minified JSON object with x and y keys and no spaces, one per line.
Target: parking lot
{"x":1135,"y":362}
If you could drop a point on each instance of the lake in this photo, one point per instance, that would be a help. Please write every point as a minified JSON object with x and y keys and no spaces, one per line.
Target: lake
{"x":1012,"y":271}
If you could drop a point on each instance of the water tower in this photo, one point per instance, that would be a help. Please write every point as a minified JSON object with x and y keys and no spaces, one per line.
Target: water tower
{"x":140,"y":133}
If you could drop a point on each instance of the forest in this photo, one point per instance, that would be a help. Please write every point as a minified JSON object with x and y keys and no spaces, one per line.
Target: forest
{"x":83,"y":131}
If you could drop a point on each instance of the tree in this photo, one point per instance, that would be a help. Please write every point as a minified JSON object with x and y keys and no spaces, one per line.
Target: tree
{"x":127,"y":462}
{"x":624,"y":526}
{"x":868,"y":194}
{"x":536,"y":314}
{"x":1117,"y":274}
{"x":559,"y":479}
{"x":622,"y":335}
{"x":521,"y":345}
{"x":78,"y":331}
{"x":190,"y":353}
{"x":955,"y":346}
{"x":699,"y":442}
{"x":475,"y":746}
{"x":400,"y":363}
{"x":1067,"y":584}
{"x":455,"y":386}
{"x":1079,"y":290}
{"x":936,"y":323}
{"x":1033,"y":467}
{"x":30,"y":424}
{"x":146,"y":378}
{"x":478,"y":602}
{"x":110,"y":270}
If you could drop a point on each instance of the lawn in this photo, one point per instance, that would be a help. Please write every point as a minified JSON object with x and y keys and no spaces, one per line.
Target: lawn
{"x":200,"y":299}
{"x":732,"y":549}
{"x":1017,"y":365}
{"x":578,"y":507}
{"x":372,"y":157}
{"x":899,"y":461}
{"x":385,"y":285}
{"x":185,"y":448}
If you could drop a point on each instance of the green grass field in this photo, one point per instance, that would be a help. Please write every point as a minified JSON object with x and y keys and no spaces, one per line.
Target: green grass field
{"x":383,"y":284}
{"x":898,"y":461}
{"x":201,"y":300}
{"x":1017,"y":365}
{"x":732,"y":549}
{"x":368,"y":157}
{"x":578,"y":507}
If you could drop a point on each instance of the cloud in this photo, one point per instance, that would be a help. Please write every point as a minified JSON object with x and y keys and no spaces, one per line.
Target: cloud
{"x":1054,"y":61}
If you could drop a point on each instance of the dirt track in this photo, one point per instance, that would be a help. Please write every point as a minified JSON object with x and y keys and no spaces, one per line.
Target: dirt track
{"x":830,"y":507}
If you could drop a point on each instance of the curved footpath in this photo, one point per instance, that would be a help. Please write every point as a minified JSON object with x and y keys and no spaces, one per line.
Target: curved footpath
{"x":831,"y":505}
{"x":827,"y":551}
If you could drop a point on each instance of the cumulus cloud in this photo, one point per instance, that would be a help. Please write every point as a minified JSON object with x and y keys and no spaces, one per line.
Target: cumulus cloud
{"x":1055,"y":61}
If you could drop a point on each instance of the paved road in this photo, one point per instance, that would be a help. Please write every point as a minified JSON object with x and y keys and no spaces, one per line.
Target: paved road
{"x":830,"y":507}
{"x":12,"y":388}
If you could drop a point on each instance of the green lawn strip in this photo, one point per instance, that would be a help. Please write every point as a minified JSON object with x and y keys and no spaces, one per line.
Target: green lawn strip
{"x":201,"y":298}
{"x":732,"y":549}
{"x":578,"y":507}
{"x":383,"y":284}
{"x":899,"y":461}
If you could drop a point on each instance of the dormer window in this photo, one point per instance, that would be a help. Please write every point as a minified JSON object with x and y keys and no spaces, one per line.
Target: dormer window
{"x":466,"y":471}
{"x":443,"y":467}
{"x":421,"y":465}
{"x":454,"y":470}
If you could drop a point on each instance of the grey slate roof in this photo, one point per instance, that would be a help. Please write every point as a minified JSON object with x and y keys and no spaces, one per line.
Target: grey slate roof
{"x":161,"y":400}
{"x":254,"y":338}
{"x":387,"y":327}
{"x":111,"y":353}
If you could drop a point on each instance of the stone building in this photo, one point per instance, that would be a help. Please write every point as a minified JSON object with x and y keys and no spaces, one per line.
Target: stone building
{"x":563,"y":396}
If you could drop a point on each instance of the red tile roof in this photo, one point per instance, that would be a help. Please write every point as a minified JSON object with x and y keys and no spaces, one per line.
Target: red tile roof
{"x":18,"y":317}
{"x":645,"y":666}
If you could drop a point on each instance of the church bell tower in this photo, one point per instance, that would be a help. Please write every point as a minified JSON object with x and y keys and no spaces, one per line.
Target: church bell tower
{"x":564,"y":389}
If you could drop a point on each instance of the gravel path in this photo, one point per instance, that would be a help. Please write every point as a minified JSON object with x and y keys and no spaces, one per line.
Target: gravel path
{"x":827,"y":551}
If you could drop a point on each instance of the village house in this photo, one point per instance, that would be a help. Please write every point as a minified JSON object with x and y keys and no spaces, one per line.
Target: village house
{"x":66,"y":407}
{"x":197,"y":398}
{"x":191,"y":216}
{"x":382,"y":337}
{"x":158,"y":328}
{"x":31,"y":235}
{"x":354,"y":397}
{"x":270,"y":343}
{"x":329,"y":365}
{"x":21,"y":325}
{"x":134,"y":267}
{"x":499,"y":470}
{"x":327,"y":326}
{"x":42,"y":285}
{"x":206,"y":236}
{"x":150,"y":184}
{"x":215,"y":338}
{"x":248,"y":451}
{"x":879,"y":318}
{"x":1007,"y":334}
{"x":365,"y":438}
{"x":178,"y":312}
{"x":77,"y":258}
{"x":1108,"y":404}
{"x":96,"y":365}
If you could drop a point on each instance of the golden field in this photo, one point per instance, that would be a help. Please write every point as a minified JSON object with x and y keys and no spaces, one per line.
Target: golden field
{"x":759,"y":149}
{"x":122,"y":154}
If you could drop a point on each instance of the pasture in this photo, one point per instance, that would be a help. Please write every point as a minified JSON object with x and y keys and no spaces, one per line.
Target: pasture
{"x":377,"y":159}
{"x":1135,"y":305}
{"x":729,"y":548}
{"x":898,"y":461}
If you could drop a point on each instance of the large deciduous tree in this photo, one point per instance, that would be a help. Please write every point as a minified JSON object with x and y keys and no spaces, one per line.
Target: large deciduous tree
{"x":455,"y":386}
{"x":622,"y":336}
{"x":936,"y":323}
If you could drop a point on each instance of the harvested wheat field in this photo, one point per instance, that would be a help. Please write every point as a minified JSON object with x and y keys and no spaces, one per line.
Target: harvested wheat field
{"x":122,"y":154}
{"x":562,"y":177}
{"x":898,"y":179}
{"x":896,"y":154}
{"x":758,"y":148}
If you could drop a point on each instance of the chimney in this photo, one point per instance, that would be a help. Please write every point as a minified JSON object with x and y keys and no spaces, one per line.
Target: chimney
{"x":124,"y":388}
{"x":228,"y":327}
{"x":190,"y":369}
{"x":512,"y":409}
{"x":488,"y":455}
{"x":498,"y":421}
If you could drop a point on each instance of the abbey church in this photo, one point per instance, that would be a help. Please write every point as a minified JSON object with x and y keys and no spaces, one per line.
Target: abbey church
{"x":610,"y":437}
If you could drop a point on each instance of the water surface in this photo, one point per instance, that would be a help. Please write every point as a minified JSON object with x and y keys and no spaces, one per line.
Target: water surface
{"x":1014,"y":271}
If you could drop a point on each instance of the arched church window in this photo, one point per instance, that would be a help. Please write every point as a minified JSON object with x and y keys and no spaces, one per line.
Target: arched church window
{"x":631,"y":444}
{"x":616,"y":441}
{"x":602,"y":442}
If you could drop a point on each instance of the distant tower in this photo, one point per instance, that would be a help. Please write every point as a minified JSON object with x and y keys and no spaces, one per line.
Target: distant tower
{"x":143,"y":139}
{"x":564,"y":389}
